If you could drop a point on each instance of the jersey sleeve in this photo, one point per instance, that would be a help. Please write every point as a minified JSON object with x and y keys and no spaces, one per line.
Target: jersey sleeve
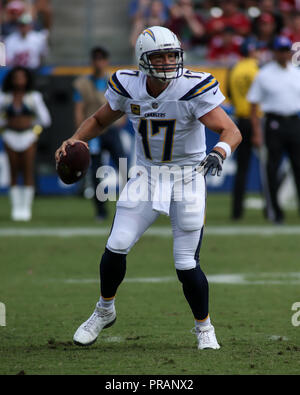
{"x":116,"y":94}
{"x":255,"y":93}
{"x":204,"y":97}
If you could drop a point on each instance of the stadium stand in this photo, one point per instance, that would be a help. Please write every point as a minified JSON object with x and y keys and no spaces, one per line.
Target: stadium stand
{"x":78,"y":28}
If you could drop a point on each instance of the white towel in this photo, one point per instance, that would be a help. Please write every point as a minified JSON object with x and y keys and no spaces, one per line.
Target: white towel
{"x":161,"y":199}
{"x":162,"y":183}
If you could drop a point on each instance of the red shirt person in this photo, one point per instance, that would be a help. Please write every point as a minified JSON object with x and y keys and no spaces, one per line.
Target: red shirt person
{"x":231,"y":17}
{"x":225,"y":47}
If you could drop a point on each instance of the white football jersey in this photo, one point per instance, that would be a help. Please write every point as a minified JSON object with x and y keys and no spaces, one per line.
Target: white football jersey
{"x":26,"y":51}
{"x":167,"y":128}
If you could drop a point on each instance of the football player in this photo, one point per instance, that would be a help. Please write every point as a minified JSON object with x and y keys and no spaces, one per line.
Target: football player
{"x":169,"y":107}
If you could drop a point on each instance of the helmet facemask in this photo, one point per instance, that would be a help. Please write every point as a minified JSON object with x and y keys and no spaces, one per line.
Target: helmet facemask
{"x":161,"y":71}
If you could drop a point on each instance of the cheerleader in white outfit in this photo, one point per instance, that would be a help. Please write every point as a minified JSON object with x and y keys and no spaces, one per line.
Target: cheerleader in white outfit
{"x":23,"y":114}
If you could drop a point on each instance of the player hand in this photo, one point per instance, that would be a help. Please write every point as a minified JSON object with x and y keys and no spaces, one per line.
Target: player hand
{"x":212,"y":163}
{"x":62,"y":149}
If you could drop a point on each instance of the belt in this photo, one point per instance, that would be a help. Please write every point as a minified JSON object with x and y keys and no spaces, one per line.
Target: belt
{"x":278,"y":116}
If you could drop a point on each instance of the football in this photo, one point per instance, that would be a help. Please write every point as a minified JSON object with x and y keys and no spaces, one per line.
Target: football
{"x":74,"y":165}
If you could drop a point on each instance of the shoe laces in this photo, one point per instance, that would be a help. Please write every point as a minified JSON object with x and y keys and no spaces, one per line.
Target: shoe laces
{"x":203,"y":334}
{"x":104,"y":312}
{"x":90,"y":322}
{"x":98,"y":313}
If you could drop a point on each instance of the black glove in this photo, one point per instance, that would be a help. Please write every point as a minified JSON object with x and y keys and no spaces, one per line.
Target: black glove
{"x":212,"y":163}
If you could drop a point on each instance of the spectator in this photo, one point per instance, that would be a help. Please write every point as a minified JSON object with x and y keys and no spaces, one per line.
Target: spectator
{"x":40,"y":10}
{"x":156,"y":16}
{"x":153,"y":15}
{"x":246,"y":4}
{"x":186,"y":24}
{"x":224,"y":48}
{"x":268,"y":7}
{"x":293,"y":31}
{"x":24,"y":114}
{"x":265,"y":34}
{"x":231,"y":17}
{"x":240,"y":79}
{"x":12,"y":13}
{"x":277,"y":89}
{"x":88,"y":97}
{"x":26,"y":47}
{"x":141,"y":8}
{"x":287,"y":9}
{"x":42,"y":14}
{"x":289,"y":5}
{"x":204,"y":8}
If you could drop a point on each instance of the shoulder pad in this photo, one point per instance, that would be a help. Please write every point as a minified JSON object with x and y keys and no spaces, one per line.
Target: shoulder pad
{"x":204,"y":82}
{"x":120,"y":79}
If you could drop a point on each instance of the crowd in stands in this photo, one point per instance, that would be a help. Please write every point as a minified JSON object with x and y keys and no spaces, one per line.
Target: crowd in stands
{"x":212,"y":31}
{"x":24,"y":28}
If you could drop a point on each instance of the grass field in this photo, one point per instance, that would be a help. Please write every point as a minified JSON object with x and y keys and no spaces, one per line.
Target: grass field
{"x":49,"y":285}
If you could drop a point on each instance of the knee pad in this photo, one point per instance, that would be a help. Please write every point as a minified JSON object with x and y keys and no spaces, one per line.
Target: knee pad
{"x":120,"y":241}
{"x":188,"y":220}
{"x":186,"y":249}
{"x":190,"y":210}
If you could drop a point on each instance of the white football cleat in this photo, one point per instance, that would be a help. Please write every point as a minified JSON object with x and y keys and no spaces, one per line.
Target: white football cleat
{"x":88,"y":332}
{"x":206,"y":337}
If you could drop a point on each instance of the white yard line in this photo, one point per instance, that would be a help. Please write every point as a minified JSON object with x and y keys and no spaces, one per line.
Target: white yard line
{"x":291,"y":278}
{"x":161,"y":231}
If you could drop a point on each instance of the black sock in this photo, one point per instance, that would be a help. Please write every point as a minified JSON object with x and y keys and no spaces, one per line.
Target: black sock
{"x":195,"y":289}
{"x":112,"y":272}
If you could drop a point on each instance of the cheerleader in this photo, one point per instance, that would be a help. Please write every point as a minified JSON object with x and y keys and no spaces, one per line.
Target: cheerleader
{"x":23,"y":115}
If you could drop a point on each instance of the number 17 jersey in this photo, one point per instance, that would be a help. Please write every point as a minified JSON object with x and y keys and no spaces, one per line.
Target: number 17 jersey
{"x":167,"y":127}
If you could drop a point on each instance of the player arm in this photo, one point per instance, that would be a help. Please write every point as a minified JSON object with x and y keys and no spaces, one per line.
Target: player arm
{"x":230,"y":137}
{"x":218,"y":121}
{"x":92,"y":127}
{"x":43,"y":117}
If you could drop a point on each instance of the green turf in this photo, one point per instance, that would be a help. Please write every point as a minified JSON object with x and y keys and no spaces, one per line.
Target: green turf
{"x":152,"y":331}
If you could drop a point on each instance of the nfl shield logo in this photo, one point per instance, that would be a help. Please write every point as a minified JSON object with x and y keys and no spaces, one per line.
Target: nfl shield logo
{"x":154,"y":105}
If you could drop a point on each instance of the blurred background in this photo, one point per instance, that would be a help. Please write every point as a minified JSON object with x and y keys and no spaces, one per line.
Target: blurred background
{"x":60,"y":36}
{"x":59,"y":56}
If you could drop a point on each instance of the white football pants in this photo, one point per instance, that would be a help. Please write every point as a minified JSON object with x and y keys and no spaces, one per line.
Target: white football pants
{"x":134,"y":215}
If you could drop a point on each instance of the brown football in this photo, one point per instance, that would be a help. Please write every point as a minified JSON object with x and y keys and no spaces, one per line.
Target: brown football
{"x":74,"y":165}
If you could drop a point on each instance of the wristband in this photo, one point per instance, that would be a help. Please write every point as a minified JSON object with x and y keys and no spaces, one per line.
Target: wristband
{"x":225,"y":147}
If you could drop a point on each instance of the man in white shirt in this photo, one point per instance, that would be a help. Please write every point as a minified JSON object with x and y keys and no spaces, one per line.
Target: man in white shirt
{"x":277,"y":90}
{"x":26,"y":47}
